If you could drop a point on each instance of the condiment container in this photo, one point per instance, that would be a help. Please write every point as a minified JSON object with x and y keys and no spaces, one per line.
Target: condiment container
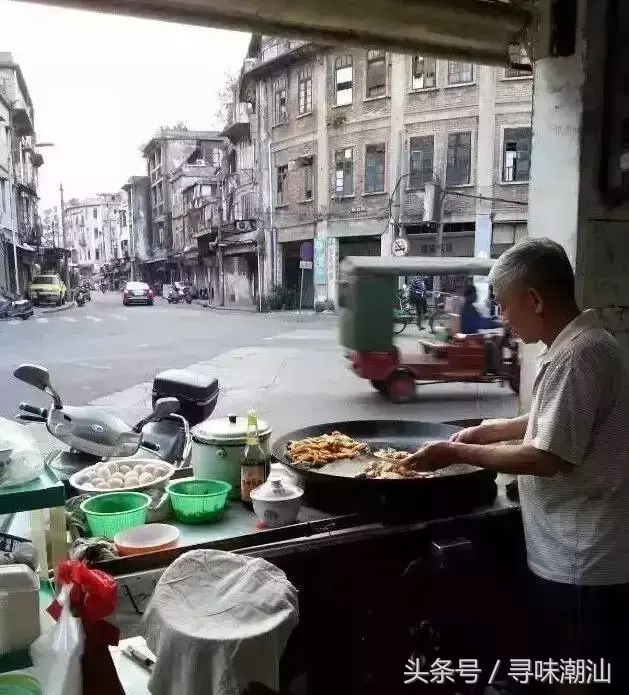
{"x":19,"y":608}
{"x":277,"y":502}
{"x":218,"y":446}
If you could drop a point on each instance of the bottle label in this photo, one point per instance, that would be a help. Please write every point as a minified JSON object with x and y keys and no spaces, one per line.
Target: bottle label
{"x":251,"y":477}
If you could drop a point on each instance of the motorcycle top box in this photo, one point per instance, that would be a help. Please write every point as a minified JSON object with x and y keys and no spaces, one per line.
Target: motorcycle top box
{"x":197,"y":393}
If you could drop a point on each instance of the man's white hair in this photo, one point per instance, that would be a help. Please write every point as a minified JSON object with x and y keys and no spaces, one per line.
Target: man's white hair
{"x":535,"y":263}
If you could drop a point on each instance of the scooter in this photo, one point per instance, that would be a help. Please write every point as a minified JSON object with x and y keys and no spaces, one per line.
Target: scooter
{"x":174,"y":296}
{"x":93,"y":434}
{"x":80,"y":296}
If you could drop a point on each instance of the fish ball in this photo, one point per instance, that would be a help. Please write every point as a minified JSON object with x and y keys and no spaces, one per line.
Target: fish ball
{"x":131,"y":482}
{"x":102,"y":485}
{"x":114,"y":484}
{"x":146,"y":478}
{"x":96,"y":481}
{"x":113,"y":467}
{"x":138,"y":468}
{"x":124,"y":468}
{"x":150,"y":468}
{"x":104,"y":473}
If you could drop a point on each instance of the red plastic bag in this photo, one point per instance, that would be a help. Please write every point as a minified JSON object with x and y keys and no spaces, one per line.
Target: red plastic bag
{"x":93,"y":597}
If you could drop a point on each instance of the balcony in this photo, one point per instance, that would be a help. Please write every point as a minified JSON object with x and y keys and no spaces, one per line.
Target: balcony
{"x":23,"y":118}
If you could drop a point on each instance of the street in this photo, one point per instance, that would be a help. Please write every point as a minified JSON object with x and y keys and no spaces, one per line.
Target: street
{"x":289,"y":367}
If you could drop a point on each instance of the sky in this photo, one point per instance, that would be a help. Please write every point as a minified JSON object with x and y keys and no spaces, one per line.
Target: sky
{"x":102,"y":84}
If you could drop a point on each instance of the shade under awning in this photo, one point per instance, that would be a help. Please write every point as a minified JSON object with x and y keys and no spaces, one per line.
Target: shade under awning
{"x":480,"y":30}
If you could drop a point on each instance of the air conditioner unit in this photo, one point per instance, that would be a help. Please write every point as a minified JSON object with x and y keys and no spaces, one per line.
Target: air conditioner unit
{"x":243,"y":226}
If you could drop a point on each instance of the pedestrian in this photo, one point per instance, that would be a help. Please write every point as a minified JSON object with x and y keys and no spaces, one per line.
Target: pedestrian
{"x":572,"y":465}
{"x":491,"y":301}
{"x":417,"y":297}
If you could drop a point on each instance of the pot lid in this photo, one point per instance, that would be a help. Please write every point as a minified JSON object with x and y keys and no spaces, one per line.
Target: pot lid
{"x":226,"y":430}
{"x":276,"y":488}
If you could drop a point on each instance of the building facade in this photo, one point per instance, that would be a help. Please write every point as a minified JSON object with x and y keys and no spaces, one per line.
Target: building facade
{"x":347,"y":139}
{"x":93,"y":232}
{"x":177,"y":161}
{"x":135,"y":213}
{"x":19,"y":164}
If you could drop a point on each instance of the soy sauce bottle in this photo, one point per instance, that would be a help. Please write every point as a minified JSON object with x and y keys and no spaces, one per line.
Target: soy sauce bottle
{"x":254,"y":467}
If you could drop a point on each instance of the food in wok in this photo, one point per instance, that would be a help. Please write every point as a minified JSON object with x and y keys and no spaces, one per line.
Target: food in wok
{"x":315,"y":452}
{"x":392,"y":454}
{"x":392,"y":468}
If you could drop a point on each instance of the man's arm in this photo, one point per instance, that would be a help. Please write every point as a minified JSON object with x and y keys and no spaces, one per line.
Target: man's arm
{"x":492,"y":433}
{"x":521,"y":459}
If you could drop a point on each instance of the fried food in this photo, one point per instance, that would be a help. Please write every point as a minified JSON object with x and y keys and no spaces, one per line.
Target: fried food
{"x":315,"y":452}
{"x":391,"y":454}
{"x":392,"y":467}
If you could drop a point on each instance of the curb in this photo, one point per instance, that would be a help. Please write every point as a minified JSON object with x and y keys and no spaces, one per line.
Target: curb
{"x":56,"y":309}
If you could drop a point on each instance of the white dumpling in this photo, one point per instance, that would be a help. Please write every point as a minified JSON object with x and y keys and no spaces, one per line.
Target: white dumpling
{"x":102,"y":485}
{"x":138,"y":468}
{"x":150,"y":468}
{"x":124,"y":468}
{"x":131,"y":482}
{"x":96,"y":481}
{"x":113,"y":467}
{"x":146,"y":478}
{"x":161,"y":470}
{"x":104,"y":473}
{"x":114,"y":484}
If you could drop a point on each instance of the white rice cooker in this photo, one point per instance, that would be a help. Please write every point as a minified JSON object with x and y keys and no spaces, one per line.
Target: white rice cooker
{"x":218,"y":445}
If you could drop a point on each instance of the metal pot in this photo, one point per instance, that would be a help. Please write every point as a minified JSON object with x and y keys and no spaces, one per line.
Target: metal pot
{"x":218,"y":445}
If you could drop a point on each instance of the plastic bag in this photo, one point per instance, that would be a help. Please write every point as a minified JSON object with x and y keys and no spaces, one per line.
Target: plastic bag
{"x":93,"y":595}
{"x":57,"y":654}
{"x":24,"y":461}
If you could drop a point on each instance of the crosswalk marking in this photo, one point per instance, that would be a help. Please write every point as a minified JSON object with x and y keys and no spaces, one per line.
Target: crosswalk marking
{"x":13,"y":322}
{"x":117,"y":316}
{"x":93,"y":318}
{"x":70,"y":319}
{"x":41,"y":319}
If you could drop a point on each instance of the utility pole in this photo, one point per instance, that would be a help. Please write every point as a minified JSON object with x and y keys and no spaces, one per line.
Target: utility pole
{"x":66,"y":273}
{"x":219,"y":246}
{"x":13,"y":207}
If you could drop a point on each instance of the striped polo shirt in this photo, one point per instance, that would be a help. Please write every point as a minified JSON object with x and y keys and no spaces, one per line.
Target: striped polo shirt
{"x":576,"y":523}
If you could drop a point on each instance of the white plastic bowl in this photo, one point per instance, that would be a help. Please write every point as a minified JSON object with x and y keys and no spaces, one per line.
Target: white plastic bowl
{"x":148,"y":538}
{"x":78,"y":480}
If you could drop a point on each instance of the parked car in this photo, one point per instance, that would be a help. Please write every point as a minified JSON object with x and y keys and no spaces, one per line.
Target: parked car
{"x":14,"y":307}
{"x":137,"y":293}
{"x":47,"y":288}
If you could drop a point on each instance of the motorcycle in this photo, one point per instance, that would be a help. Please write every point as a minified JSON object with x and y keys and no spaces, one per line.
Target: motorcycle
{"x":187,"y":295}
{"x":80,"y":296}
{"x":13,"y":307}
{"x":93,"y":434}
{"x":174,"y":296}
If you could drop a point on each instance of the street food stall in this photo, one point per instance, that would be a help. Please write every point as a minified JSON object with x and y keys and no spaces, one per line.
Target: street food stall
{"x":368,"y":289}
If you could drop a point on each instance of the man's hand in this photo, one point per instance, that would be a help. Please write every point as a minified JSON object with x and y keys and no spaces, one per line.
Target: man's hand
{"x":472,"y":435}
{"x":430,"y":457}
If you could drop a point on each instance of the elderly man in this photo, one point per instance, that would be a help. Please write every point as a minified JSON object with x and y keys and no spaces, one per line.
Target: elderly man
{"x":573,"y":464}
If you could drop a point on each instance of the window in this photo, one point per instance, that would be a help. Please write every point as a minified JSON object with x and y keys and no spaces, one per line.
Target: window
{"x":374,"y":168}
{"x":95,"y":232}
{"x":246,"y":206}
{"x":94,"y":213}
{"x":97,"y":252}
{"x":460,"y":73}
{"x":89,"y":255}
{"x":344,"y":80}
{"x":424,"y":72}
{"x":308,"y":179}
{"x":516,"y":161}
{"x":217,"y":156}
{"x":518,"y":56}
{"x":3,"y":201}
{"x":280,"y":110}
{"x":344,"y":172}
{"x":304,"y":90}
{"x":421,"y":151}
{"x":282,"y":174}
{"x":376,"y":81}
{"x":459,"y":158}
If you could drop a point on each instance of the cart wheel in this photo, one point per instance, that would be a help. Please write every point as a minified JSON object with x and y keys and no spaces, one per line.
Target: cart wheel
{"x":398,"y":326}
{"x":400,"y":387}
{"x":378,"y":384}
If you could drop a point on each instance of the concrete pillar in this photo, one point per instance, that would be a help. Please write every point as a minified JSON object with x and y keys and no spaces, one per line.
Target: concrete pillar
{"x":565,"y":198}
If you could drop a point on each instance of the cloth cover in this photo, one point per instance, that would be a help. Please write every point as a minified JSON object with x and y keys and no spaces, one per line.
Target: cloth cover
{"x":218,"y":621}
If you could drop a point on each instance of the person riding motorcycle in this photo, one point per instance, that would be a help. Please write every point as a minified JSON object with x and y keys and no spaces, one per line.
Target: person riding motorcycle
{"x":472,"y":321}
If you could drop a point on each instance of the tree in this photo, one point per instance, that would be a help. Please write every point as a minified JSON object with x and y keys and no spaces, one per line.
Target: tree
{"x":226,"y":97}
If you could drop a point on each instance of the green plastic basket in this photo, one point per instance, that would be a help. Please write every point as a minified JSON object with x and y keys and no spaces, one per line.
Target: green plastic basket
{"x":112,"y":512}
{"x":198,"y":501}
{"x":19,"y":684}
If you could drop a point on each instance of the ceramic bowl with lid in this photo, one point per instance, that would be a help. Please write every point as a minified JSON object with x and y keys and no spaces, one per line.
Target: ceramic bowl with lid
{"x":218,"y":445}
{"x":277,"y":502}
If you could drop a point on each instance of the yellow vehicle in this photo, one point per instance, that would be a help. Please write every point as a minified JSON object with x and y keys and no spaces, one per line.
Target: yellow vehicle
{"x":47,"y":288}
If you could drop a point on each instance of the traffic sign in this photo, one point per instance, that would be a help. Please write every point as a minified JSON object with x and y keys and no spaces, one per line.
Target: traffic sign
{"x":400,"y":246}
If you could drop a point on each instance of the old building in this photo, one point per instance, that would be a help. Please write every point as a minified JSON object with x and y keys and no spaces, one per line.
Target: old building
{"x":176,"y":159}
{"x":19,"y":164}
{"x":348,"y":138}
{"x":51,"y":227}
{"x":135,"y":223}
{"x":93,"y":232}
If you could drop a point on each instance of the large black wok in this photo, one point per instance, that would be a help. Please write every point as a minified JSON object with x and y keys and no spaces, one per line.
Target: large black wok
{"x":335,"y":487}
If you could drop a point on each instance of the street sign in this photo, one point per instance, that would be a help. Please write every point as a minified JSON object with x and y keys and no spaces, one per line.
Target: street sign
{"x":305,"y":265}
{"x":400,"y":246}
{"x":306,"y":251}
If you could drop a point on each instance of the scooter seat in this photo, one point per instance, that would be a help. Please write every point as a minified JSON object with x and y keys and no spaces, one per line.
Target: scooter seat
{"x":168,"y":435}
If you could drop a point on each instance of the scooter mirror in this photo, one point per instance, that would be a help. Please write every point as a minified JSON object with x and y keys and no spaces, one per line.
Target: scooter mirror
{"x":33,"y":375}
